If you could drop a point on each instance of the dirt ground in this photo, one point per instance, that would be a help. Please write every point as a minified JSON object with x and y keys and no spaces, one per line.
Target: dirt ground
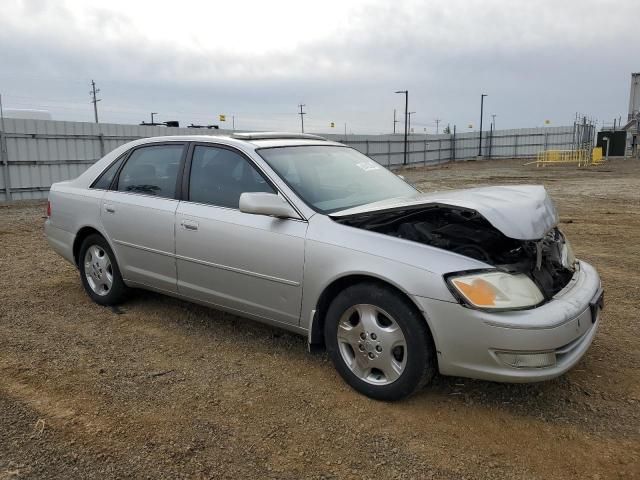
{"x":160,"y":388}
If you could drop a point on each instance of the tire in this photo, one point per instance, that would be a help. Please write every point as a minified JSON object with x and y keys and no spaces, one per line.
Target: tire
{"x":99,"y":272}
{"x":379,"y":342}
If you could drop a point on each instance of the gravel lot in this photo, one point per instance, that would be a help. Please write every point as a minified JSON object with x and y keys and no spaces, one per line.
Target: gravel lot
{"x":160,"y":388}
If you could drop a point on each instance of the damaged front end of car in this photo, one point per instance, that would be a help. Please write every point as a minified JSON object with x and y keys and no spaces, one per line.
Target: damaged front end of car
{"x":525,"y":273}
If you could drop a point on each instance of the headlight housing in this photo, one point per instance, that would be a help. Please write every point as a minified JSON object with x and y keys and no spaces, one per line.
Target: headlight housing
{"x":495,"y":290}
{"x":568,"y":257}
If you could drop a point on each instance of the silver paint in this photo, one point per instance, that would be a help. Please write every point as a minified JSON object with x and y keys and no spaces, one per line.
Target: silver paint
{"x":276,"y":269}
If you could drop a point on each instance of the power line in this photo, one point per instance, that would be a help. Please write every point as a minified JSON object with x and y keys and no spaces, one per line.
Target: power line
{"x":301,"y":105}
{"x":94,"y":91}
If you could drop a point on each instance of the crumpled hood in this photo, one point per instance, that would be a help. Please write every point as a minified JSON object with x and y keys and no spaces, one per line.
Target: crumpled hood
{"x":522,"y":212}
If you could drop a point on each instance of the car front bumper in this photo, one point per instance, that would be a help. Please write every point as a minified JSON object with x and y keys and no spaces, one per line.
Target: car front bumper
{"x":472,"y":343}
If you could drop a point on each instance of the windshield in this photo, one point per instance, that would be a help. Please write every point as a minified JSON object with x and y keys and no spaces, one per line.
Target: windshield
{"x":333,"y":178}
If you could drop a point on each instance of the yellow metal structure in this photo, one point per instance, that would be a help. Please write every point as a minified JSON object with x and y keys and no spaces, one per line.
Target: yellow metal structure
{"x":596,"y":156}
{"x":581,"y":158}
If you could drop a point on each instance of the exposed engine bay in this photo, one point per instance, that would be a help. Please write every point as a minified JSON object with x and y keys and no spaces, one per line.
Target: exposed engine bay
{"x":548,"y":261}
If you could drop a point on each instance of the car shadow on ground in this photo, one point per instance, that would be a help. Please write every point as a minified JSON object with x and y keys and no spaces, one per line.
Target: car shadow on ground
{"x":560,"y":399}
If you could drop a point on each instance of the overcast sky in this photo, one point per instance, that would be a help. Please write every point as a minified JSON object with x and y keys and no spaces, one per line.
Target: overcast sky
{"x":257,"y":60}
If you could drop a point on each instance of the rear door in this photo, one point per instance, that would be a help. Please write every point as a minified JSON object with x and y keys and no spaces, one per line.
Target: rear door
{"x":138,"y":214}
{"x":239,"y":261}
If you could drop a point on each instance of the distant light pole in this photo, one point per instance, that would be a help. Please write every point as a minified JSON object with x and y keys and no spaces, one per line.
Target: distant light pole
{"x":406,"y":125}
{"x":409,"y":114}
{"x":438,"y":120}
{"x":394,"y":121}
{"x":481,"y":112}
{"x":301,"y":113}
{"x":493,"y":120}
{"x":152,"y":114}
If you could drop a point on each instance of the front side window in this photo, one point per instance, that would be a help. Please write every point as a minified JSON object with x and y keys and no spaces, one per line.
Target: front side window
{"x":219,"y":176}
{"x":332,"y":178}
{"x":152,"y":171}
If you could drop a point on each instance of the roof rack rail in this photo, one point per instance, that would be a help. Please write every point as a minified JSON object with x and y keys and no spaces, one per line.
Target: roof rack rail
{"x":276,"y":136}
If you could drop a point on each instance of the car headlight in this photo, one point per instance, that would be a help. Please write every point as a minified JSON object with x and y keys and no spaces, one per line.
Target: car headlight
{"x":568,"y":257}
{"x":494,"y":290}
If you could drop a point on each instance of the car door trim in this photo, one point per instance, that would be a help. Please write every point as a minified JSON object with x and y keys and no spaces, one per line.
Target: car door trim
{"x":146,"y":249}
{"x":250,"y":273}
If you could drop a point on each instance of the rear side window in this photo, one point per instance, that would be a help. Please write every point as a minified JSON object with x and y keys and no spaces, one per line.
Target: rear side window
{"x":104,"y":181}
{"x":152,"y":171}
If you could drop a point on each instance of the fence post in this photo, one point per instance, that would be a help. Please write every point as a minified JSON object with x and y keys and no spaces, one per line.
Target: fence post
{"x":388,"y":153}
{"x":424,"y":156}
{"x":545,"y":141}
{"x":5,"y":163}
{"x":439,"y":149}
{"x":515,"y":146}
{"x":367,"y":147}
{"x":453,"y":145}
{"x":101,"y":139}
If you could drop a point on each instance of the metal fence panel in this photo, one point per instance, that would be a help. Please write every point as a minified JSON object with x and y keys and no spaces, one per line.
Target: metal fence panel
{"x":42,"y":152}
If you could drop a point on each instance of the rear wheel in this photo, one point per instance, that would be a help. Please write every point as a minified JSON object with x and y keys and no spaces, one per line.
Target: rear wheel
{"x":379,"y":342}
{"x":99,"y":272}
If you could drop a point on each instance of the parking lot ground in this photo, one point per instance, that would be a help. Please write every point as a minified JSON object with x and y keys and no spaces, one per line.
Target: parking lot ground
{"x":160,"y":388}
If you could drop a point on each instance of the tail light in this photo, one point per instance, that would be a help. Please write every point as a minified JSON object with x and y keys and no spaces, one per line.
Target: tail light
{"x":48,"y":209}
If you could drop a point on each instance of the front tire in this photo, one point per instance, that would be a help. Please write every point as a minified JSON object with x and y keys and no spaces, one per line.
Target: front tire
{"x":99,"y":272}
{"x":379,"y":342}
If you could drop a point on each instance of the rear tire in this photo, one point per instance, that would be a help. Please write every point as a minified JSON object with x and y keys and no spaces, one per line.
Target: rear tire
{"x":99,"y":272}
{"x":379,"y":342}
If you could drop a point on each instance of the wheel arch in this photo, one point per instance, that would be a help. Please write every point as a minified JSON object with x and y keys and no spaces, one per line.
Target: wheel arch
{"x":316,"y":331}
{"x":83,"y":233}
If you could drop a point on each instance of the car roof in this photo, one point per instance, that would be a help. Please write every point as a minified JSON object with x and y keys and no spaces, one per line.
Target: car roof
{"x":252,"y":141}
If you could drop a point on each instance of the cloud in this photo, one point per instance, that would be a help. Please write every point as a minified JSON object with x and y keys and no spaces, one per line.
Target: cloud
{"x":535,"y":60}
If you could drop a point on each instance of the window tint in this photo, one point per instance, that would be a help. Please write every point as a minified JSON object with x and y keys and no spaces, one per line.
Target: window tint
{"x":106,"y":178}
{"x":219,"y":176}
{"x":152,"y":171}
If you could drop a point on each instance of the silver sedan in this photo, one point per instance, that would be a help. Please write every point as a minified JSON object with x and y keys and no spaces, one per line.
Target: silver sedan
{"x":312,"y":236}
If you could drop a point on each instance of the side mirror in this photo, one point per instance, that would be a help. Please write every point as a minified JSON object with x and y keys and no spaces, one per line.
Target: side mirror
{"x":261,"y":203}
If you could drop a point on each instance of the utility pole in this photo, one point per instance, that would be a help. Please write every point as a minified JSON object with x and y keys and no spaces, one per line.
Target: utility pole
{"x":94,"y":91}
{"x":394,"y":121}
{"x":481,"y":110}
{"x":345,"y":129}
{"x":493,"y":120}
{"x":233,"y":123}
{"x":438,"y":120}
{"x":410,"y":113}
{"x":406,"y":110}
{"x":301,"y":105}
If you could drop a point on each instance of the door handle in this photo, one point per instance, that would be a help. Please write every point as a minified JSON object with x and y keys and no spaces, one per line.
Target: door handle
{"x":189,"y":225}
{"x":109,"y":208}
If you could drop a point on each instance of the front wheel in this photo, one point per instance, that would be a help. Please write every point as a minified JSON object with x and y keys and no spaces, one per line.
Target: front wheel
{"x":379,"y":342}
{"x":99,"y":272}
